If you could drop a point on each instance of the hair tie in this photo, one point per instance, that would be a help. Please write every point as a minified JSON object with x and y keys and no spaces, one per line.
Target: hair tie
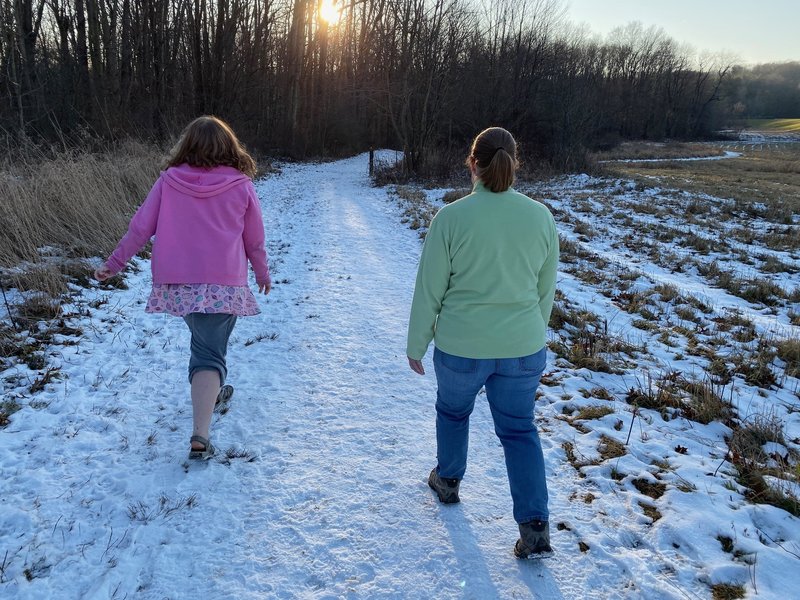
{"x":496,"y":150}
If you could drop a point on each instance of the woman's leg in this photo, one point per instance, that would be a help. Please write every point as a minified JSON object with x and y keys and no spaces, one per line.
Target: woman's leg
{"x":207,"y":365}
{"x":511,"y":393}
{"x":459,"y":381}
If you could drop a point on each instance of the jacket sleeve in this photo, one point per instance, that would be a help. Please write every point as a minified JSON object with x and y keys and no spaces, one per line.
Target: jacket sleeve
{"x":253,"y":238}
{"x":433,"y":279}
{"x":547,"y":275}
{"x":141,"y":228}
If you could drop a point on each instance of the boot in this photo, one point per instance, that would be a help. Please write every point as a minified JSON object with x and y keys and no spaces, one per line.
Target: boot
{"x":534,"y":541}
{"x":446,"y":489}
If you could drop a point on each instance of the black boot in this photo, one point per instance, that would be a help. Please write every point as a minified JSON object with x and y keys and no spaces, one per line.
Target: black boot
{"x":446,"y":489}
{"x":534,"y":541}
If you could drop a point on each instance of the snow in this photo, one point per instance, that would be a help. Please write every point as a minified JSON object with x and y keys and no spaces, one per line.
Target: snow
{"x":727,"y":154}
{"x":320,"y":490}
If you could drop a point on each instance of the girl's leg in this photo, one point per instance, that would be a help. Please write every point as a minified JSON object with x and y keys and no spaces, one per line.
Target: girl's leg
{"x":207,"y":365}
{"x":205,"y":387}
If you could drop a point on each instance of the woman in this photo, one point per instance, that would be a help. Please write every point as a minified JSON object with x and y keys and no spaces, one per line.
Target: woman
{"x":484,"y":294}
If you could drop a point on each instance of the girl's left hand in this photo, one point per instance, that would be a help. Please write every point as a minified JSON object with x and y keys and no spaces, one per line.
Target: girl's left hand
{"x":102,"y":273}
{"x":264,"y":288}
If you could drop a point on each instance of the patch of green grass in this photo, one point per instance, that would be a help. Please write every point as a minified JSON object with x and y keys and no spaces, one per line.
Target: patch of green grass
{"x":778,"y":125}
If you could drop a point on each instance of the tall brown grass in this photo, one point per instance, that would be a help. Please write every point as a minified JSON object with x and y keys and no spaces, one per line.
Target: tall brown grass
{"x":77,"y":202}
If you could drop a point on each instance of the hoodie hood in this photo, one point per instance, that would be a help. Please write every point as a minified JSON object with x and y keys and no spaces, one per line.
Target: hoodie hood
{"x":202,"y":182}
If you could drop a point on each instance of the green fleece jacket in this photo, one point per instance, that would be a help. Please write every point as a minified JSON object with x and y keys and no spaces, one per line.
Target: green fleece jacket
{"x":486,"y":278}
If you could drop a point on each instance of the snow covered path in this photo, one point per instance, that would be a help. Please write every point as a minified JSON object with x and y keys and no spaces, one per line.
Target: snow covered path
{"x":341,"y":507}
{"x":323,"y":492}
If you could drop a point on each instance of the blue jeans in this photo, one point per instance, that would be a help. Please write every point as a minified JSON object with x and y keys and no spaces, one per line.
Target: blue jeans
{"x":209,"y":345}
{"x":511,"y":385}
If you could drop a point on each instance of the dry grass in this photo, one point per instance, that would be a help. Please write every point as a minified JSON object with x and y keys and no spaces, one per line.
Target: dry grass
{"x":726,"y":542}
{"x":649,"y":488}
{"x":76,"y":201}
{"x":456,"y":194}
{"x":650,"y":511}
{"x":417,"y":211}
{"x":654,"y":395}
{"x":56,"y":208}
{"x":662,"y":150}
{"x":8,"y":408}
{"x":706,"y":401}
{"x":771,"y":177}
{"x":577,"y":462}
{"x":727,"y":591}
{"x":789,"y":353}
{"x":610,"y":448}
{"x":754,"y":465}
{"x":595,"y":411}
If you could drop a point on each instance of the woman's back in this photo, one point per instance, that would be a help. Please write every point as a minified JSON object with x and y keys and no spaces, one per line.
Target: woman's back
{"x":497,"y":253}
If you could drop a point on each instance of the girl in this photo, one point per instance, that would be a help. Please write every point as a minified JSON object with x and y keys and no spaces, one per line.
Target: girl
{"x":206,"y":218}
{"x":484,"y":293}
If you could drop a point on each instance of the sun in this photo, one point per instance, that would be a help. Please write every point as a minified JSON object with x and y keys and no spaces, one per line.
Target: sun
{"x":329,"y":12}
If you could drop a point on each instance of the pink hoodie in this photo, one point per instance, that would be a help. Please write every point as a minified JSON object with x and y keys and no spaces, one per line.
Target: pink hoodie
{"x":207,"y":224}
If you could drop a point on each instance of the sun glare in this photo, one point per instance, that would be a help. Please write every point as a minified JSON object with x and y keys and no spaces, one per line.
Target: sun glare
{"x":329,"y":12}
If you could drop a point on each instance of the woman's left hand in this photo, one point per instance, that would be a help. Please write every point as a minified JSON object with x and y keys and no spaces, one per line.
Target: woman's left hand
{"x":416,"y":366}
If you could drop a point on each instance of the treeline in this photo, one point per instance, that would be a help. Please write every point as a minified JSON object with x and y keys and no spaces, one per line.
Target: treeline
{"x":768,"y":91}
{"x":422,"y":75}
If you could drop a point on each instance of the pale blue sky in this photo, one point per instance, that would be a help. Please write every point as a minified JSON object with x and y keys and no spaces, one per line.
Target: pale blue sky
{"x":755,"y":31}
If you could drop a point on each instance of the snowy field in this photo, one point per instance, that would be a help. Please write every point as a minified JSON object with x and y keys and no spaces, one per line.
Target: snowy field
{"x":320,"y":491}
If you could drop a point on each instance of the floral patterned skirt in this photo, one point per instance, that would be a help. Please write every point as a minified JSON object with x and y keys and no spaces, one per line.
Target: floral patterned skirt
{"x":180,"y":299}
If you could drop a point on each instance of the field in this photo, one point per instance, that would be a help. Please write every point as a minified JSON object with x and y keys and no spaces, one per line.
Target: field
{"x":775,"y":125}
{"x":768,"y":173}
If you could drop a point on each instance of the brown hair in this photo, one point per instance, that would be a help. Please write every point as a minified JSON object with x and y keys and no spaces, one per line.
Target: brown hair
{"x":209,"y":142}
{"x":495,"y":154}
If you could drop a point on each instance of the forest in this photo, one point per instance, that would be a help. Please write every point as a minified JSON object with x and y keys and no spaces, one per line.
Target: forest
{"x":298,"y":78}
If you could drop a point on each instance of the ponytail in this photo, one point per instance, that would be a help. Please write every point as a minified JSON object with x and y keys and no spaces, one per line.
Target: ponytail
{"x":495,"y":154}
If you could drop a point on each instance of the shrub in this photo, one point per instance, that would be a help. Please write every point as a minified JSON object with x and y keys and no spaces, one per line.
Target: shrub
{"x":456,"y":194}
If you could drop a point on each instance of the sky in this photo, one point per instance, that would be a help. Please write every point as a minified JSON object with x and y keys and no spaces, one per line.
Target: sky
{"x":753,"y":31}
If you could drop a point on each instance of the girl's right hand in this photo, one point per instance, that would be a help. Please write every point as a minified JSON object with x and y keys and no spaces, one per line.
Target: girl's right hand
{"x":264,"y":288}
{"x":102,"y":273}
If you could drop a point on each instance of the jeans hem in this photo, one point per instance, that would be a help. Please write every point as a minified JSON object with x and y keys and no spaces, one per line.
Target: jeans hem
{"x":534,"y":518}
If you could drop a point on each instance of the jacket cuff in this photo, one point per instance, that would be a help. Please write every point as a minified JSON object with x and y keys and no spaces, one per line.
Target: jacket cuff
{"x":114,"y":265}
